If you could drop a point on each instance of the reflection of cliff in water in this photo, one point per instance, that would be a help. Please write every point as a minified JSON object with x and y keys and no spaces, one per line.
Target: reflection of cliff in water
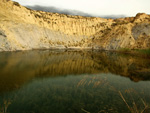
{"x":18,"y":67}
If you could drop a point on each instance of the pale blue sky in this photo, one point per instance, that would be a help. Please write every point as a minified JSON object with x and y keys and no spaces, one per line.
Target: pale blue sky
{"x":97,"y":7}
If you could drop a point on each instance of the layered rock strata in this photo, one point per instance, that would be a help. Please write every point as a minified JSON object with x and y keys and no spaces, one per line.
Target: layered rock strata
{"x":24,"y":29}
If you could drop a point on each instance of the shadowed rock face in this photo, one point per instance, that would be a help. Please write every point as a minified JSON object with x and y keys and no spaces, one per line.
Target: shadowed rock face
{"x":141,"y":33}
{"x":16,"y":68}
{"x":141,"y":29}
{"x":23,"y":29}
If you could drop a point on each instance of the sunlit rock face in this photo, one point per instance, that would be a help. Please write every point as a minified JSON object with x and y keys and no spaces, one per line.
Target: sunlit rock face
{"x":23,"y":29}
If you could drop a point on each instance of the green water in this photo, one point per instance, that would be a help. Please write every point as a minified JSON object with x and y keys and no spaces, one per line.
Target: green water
{"x":61,"y":81}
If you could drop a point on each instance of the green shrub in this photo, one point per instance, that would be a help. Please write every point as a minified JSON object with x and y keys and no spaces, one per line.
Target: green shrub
{"x":124,"y":49}
{"x":144,"y":51}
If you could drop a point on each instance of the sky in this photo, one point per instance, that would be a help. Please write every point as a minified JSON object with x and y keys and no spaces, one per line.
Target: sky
{"x":96,"y":7}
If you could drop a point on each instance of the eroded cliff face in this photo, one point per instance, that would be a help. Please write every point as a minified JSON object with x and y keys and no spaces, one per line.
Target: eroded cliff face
{"x":23,"y":29}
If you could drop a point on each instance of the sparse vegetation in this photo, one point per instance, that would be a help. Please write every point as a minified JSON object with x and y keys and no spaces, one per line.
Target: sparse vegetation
{"x":134,"y":108}
{"x":16,"y":4}
{"x":136,"y":52}
{"x":124,"y":50}
{"x":144,"y":51}
{"x":1,"y":33}
{"x":6,"y":103}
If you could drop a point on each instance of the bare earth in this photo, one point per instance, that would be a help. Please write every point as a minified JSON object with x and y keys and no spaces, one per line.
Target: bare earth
{"x":25,"y":29}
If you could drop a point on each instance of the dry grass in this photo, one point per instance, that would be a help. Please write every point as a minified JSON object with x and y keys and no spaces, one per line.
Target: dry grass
{"x":134,"y":108}
{"x":3,"y":109}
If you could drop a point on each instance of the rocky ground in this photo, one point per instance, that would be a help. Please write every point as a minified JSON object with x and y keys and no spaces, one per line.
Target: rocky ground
{"x":25,"y":29}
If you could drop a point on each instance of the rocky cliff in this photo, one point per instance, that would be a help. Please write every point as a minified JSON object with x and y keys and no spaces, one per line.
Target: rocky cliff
{"x":23,"y":29}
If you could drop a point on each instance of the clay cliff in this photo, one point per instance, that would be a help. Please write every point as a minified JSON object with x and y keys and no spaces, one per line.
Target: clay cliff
{"x":24,"y":29}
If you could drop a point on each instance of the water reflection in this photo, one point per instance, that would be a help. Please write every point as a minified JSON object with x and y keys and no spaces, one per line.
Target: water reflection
{"x":99,"y":93}
{"x":73,"y":82}
{"x":16,"y":68}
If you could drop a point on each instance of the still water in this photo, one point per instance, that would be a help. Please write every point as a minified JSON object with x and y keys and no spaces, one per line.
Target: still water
{"x":60,"y":81}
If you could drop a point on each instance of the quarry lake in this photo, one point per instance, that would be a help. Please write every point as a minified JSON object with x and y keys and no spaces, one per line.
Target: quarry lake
{"x":69,"y":81}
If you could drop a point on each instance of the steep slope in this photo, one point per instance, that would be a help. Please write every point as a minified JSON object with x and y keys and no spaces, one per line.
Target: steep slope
{"x":23,"y":29}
